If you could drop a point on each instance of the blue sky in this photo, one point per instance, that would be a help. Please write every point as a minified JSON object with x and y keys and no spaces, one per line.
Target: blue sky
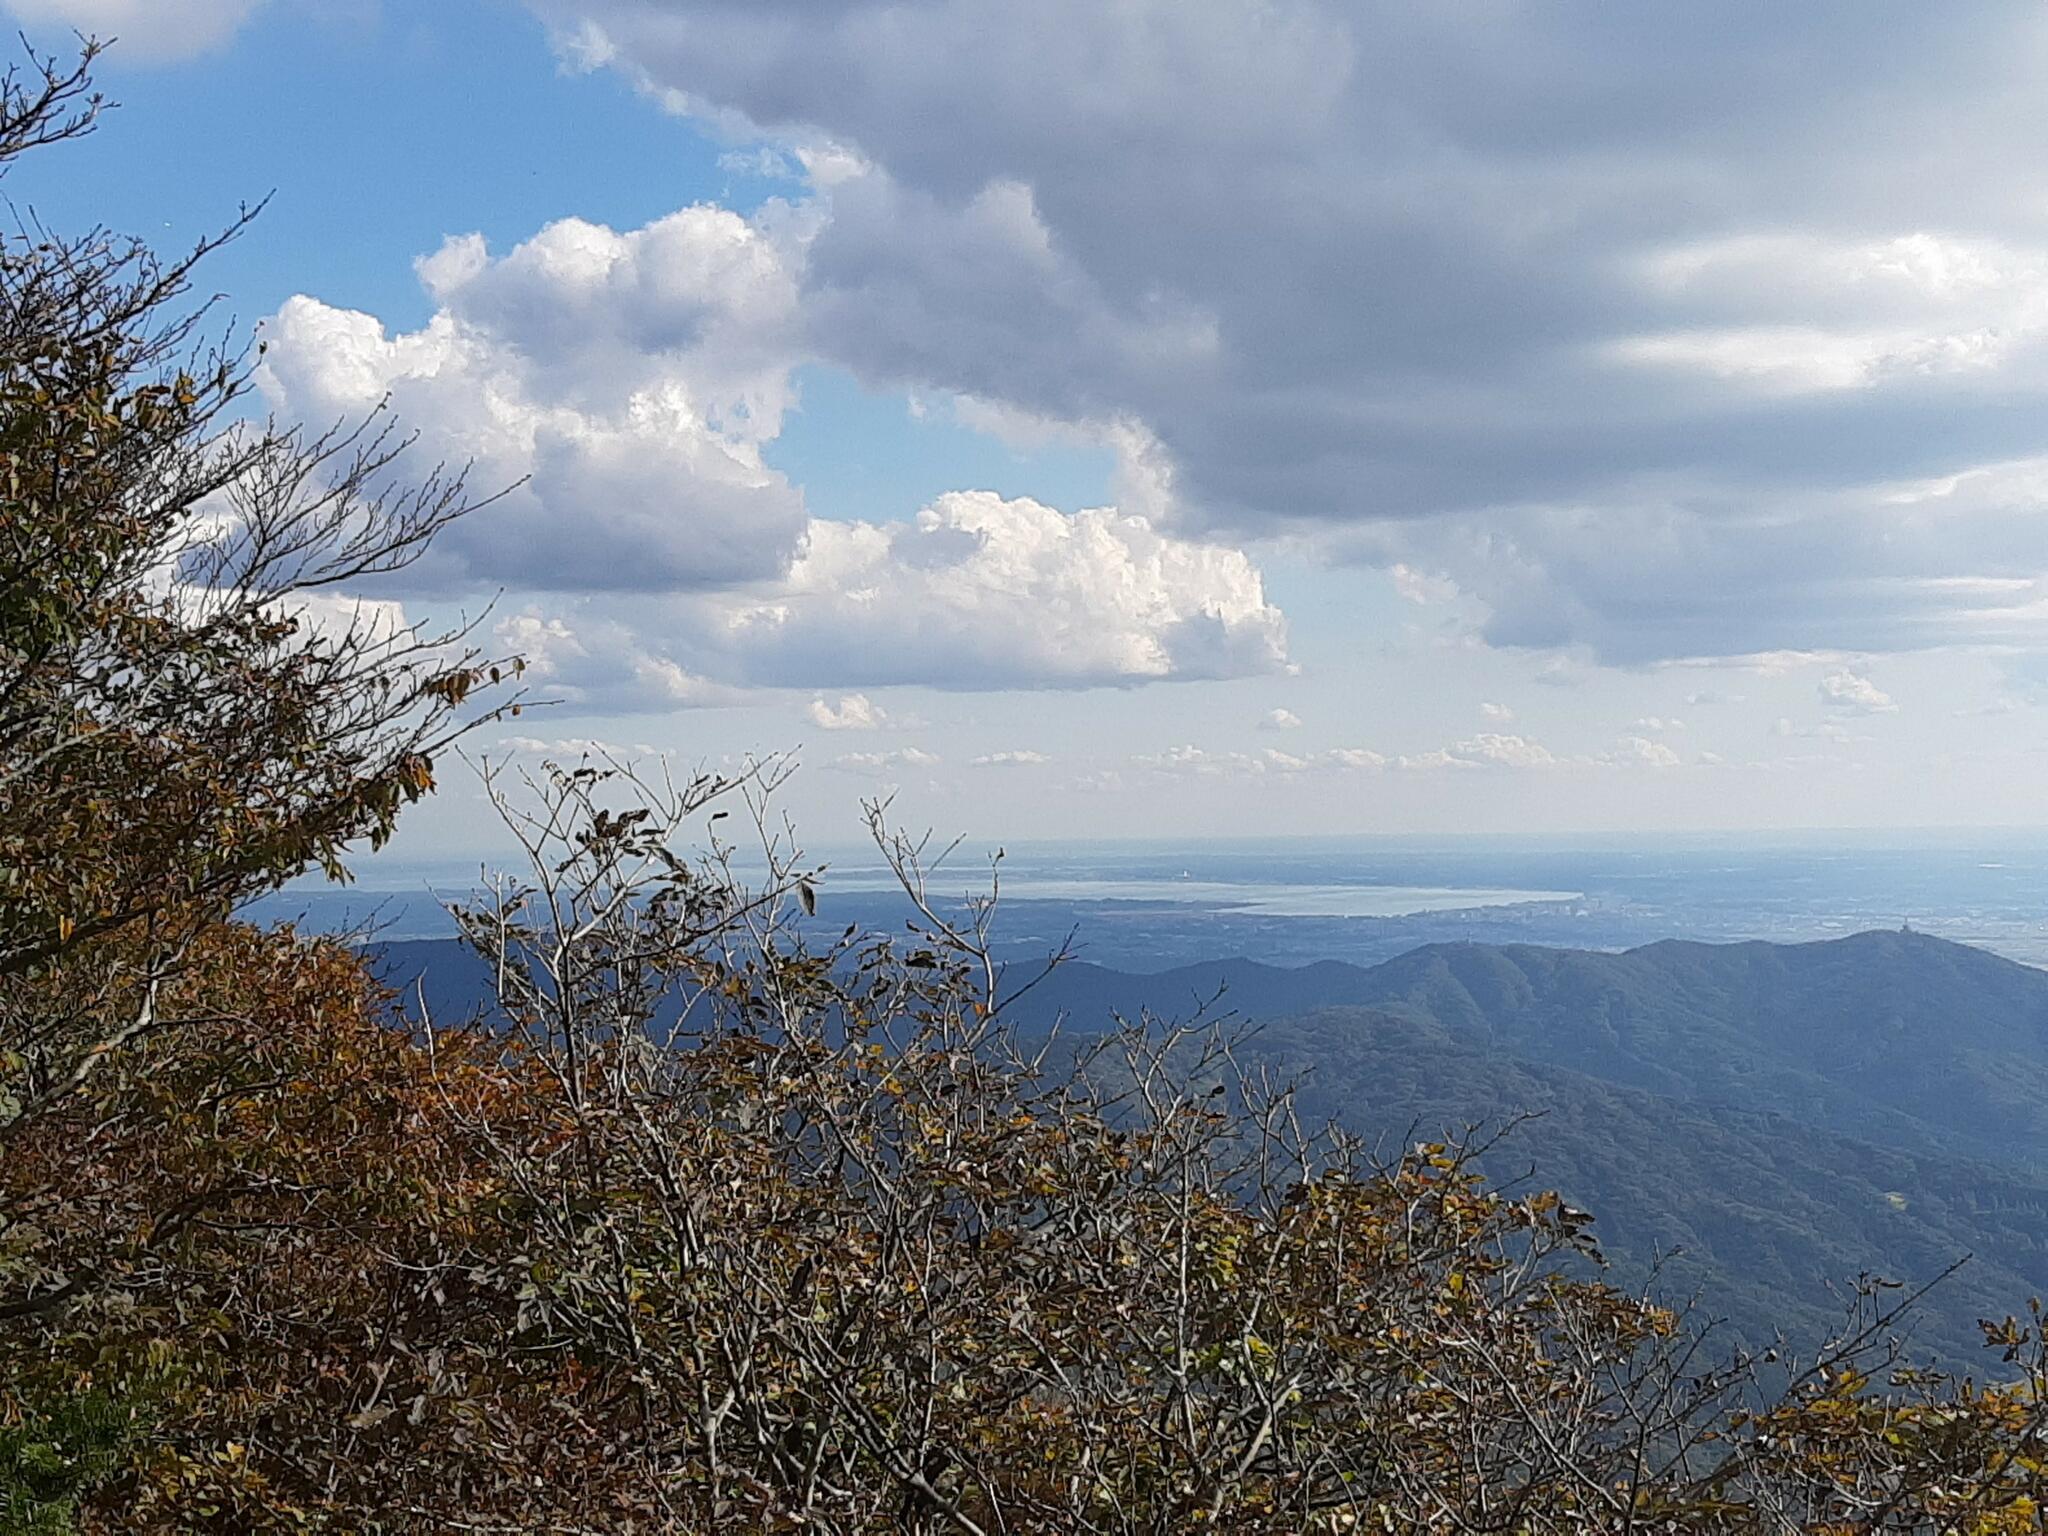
{"x":1175,"y":419}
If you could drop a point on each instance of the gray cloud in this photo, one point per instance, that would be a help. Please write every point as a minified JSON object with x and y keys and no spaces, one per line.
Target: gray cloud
{"x":1628,"y":320}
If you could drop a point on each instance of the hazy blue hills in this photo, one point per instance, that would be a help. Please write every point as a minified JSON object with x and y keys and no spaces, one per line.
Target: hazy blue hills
{"x":1785,"y":1116}
{"x":1756,"y":1213}
{"x":1896,"y":1037}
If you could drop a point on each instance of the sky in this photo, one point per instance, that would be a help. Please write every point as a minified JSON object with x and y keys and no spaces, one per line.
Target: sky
{"x":1171,"y":418}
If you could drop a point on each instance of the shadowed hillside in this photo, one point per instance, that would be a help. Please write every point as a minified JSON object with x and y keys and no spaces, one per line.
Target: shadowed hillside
{"x":1760,"y":1121}
{"x":1898,"y":1038}
{"x":1758,"y":1214}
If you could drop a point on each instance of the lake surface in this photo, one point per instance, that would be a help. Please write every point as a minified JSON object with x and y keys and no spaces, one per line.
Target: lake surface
{"x":1275,"y":897}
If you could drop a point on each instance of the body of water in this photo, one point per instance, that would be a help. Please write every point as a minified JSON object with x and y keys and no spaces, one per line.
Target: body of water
{"x":1137,"y":904}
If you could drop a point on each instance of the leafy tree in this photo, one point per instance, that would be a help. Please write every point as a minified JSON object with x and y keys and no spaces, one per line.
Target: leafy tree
{"x":51,"y":1461}
{"x":285,"y":1224}
{"x":191,"y":711}
{"x":177,"y":732}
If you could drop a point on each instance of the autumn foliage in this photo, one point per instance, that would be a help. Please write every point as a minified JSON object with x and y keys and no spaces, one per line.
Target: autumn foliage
{"x":703,"y":1225}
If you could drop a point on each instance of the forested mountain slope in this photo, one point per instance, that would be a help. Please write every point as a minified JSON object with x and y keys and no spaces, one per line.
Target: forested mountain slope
{"x":1758,"y":1121}
{"x":1757,"y":1214}
{"x":1895,"y":1037}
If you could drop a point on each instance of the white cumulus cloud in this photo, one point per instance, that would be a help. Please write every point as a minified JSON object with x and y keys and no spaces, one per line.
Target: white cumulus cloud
{"x":1505,"y":751}
{"x":567,"y":748}
{"x":1852,"y":694}
{"x":621,"y":384}
{"x":624,"y":386}
{"x":1650,"y":754}
{"x":885,"y":764}
{"x":602,"y":665}
{"x":977,"y":591}
{"x":853,"y":712}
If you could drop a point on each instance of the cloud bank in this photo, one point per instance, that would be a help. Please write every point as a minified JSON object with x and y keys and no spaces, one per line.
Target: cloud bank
{"x":1506,"y":299}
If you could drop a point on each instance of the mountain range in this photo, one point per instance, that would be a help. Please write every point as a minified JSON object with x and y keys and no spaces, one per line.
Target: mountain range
{"x":1753,"y":1124}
